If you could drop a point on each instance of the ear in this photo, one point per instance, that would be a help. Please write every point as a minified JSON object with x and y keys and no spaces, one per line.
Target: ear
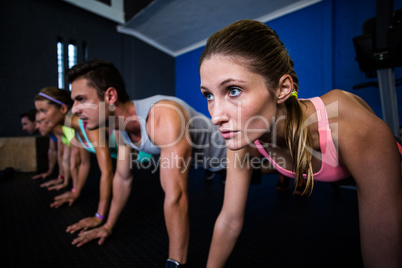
{"x":64,"y":109}
{"x":111,"y":96}
{"x":285,"y":88}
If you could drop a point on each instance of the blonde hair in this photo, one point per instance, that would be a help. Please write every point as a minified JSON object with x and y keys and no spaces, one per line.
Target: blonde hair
{"x":259,"y":47}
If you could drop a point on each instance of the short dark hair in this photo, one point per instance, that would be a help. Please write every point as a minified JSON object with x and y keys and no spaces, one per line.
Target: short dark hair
{"x":31,"y":114}
{"x":100,"y":75}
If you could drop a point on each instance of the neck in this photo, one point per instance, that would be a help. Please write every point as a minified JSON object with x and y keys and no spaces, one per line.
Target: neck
{"x":126,"y":118}
{"x":57,"y":130}
{"x":276,"y":133}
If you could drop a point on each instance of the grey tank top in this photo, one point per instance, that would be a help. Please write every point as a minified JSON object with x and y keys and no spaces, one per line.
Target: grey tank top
{"x":209,"y":149}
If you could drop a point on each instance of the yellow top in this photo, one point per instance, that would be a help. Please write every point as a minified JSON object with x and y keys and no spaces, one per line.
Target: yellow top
{"x":68,"y":135}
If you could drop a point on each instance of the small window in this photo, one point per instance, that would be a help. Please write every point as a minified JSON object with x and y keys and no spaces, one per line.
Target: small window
{"x":60,"y":64}
{"x":70,"y":60}
{"x":72,"y":55}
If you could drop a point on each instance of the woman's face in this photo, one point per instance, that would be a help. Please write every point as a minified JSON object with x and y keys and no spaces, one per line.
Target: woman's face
{"x":239,"y":101}
{"x":51,"y":114}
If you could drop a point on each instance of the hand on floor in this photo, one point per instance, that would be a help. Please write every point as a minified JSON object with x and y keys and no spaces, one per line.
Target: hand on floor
{"x":86,"y":236}
{"x":84,"y":224}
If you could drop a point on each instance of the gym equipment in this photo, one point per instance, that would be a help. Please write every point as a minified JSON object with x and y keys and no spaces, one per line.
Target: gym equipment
{"x":378,"y":51}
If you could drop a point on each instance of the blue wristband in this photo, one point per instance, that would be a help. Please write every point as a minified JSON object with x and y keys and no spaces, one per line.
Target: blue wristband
{"x":99,"y":216}
{"x":173,"y":264}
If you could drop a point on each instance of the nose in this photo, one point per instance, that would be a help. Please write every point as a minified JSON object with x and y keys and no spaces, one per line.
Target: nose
{"x":218,"y":113}
{"x":75,"y":109}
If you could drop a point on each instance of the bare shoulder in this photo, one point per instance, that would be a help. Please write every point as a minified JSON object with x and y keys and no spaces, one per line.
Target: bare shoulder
{"x":355,"y":122}
{"x":72,"y":121}
{"x":167,"y":121}
{"x":344,"y":106}
{"x":165,"y":111}
{"x":346,"y":100}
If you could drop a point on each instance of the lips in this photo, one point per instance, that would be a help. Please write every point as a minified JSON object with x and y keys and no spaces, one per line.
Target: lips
{"x":228,"y":134}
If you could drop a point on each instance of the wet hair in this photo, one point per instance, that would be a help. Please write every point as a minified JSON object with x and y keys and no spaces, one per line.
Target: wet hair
{"x":31,"y":115}
{"x":60,"y":95}
{"x":258,"y":47}
{"x":101,"y":75}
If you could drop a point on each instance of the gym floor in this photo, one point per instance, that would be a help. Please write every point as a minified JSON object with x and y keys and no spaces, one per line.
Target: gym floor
{"x":280,"y":230}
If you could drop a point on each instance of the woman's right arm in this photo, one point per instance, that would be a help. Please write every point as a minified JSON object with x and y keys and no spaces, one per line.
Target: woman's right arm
{"x":230,"y":220}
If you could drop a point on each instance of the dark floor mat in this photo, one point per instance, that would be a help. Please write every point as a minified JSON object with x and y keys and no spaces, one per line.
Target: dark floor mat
{"x":280,"y":230}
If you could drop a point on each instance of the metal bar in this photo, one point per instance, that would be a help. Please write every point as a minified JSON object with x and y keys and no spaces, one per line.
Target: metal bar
{"x":389,"y":103}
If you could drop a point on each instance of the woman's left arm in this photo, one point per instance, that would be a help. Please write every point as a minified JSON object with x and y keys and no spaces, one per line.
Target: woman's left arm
{"x":368,"y":149}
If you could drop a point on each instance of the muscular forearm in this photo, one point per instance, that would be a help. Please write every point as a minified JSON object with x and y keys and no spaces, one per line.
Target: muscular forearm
{"x":105,"y":192}
{"x":177,"y":224}
{"x":82,"y":176}
{"x":121,"y":193}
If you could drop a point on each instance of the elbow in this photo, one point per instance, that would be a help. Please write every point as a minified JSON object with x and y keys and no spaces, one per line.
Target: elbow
{"x":66,"y":163}
{"x":230,"y":225}
{"x":107,"y":175}
{"x":176,"y":199}
{"x":121,"y":182}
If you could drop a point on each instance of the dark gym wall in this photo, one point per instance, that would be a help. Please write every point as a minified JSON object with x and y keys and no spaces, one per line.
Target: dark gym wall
{"x":29,"y":32}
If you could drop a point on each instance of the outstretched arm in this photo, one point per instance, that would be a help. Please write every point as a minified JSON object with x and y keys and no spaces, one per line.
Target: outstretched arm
{"x":368,"y":149}
{"x":230,"y":220}
{"x":52,"y":157}
{"x":105,"y":189}
{"x":121,"y":191}
{"x":64,"y":163}
{"x":374,"y":162}
{"x":79,"y":166}
{"x":174,"y":181}
{"x":59,"y":159}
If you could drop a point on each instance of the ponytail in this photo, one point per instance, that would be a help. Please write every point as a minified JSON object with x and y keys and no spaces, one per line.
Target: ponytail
{"x":299,"y":139}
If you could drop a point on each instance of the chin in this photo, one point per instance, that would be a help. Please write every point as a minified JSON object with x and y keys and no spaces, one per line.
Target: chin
{"x":91,"y":126}
{"x":235,"y":145}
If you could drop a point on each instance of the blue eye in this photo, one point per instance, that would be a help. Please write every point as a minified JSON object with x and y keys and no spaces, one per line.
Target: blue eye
{"x":209,"y":96}
{"x":234,"y":92}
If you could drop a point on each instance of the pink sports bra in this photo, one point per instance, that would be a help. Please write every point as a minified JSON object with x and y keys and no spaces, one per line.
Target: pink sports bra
{"x":330,"y":169}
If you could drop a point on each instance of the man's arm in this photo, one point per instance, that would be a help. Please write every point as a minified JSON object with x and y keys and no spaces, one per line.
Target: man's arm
{"x":169,"y":131}
{"x":105,"y":190}
{"x":121,"y":191}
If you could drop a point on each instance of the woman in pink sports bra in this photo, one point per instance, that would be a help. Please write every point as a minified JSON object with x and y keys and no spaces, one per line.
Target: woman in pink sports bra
{"x":248,"y":80}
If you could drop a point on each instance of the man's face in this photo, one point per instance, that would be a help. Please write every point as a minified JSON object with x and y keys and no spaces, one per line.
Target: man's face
{"x":42,"y":124}
{"x":87,"y":104}
{"x":28,"y":126}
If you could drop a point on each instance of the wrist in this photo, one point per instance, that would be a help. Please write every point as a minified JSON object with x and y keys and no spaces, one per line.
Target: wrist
{"x":99,"y":216}
{"x":75,"y":191}
{"x":170,"y":263}
{"x":108,"y":227}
